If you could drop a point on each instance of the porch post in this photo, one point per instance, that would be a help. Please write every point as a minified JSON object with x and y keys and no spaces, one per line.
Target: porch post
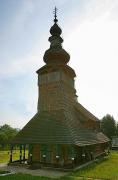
{"x":83,"y":155}
{"x":20,"y":154}
{"x":30,"y":154}
{"x":31,"y":158}
{"x":24,"y":152}
{"x":11,"y":151}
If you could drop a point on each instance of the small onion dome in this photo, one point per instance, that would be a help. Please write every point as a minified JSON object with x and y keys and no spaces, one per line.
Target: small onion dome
{"x":58,"y":56}
{"x":55,"y":30}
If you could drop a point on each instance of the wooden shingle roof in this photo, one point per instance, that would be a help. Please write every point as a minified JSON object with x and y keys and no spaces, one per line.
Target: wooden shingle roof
{"x":81,"y":109}
{"x":57,"y":127}
{"x":44,"y":127}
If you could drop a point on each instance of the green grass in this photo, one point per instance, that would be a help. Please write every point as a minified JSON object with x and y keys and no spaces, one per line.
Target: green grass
{"x":20,"y":176}
{"x":5,"y":155}
{"x":106,"y":169}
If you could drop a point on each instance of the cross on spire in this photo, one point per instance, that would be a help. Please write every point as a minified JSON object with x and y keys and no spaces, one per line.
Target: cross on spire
{"x":55,"y":15}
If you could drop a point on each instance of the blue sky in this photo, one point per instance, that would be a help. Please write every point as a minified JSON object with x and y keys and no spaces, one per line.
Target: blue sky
{"x":90,"y":32}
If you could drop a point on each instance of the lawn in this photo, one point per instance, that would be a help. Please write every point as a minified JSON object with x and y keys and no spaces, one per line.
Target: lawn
{"x":5,"y":155}
{"x":24,"y":177}
{"x":103,"y":169}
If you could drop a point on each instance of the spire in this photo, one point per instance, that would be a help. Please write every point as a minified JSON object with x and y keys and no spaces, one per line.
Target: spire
{"x":56,"y":51}
{"x":55,"y":29}
{"x":55,"y":15}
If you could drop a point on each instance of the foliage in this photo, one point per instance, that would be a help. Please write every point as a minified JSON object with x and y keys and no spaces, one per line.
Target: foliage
{"x":7,"y":133}
{"x":3,"y":138}
{"x":108,"y":126}
{"x":117,"y":129}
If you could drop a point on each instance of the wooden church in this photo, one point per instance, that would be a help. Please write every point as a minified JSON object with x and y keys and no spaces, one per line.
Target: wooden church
{"x":62,"y":133}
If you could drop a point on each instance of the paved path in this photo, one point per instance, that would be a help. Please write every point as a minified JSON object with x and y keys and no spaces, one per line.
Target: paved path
{"x":37,"y":172}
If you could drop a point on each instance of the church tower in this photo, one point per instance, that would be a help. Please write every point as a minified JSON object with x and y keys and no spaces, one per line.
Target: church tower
{"x":56,"y":78}
{"x":62,"y":134}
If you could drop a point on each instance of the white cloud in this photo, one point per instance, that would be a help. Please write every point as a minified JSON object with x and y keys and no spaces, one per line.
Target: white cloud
{"x":13,"y":119}
{"x":31,"y":102}
{"x":97,"y":8}
{"x":30,"y":62}
{"x":57,"y":3}
{"x":22,"y":15}
{"x":93,"y":46}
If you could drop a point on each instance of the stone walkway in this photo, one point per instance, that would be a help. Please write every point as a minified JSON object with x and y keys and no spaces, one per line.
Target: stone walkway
{"x":38,"y":172}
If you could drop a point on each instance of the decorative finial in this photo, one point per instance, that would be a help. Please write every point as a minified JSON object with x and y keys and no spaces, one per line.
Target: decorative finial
{"x":55,"y":15}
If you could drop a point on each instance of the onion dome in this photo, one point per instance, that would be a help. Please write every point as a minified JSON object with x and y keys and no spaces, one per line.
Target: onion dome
{"x":55,"y":30}
{"x":56,"y":54}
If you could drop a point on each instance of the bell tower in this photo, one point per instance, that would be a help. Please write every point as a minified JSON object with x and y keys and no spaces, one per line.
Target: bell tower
{"x":56,"y":78}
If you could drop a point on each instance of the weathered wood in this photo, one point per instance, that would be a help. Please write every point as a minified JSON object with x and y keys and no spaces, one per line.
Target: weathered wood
{"x":36,"y":153}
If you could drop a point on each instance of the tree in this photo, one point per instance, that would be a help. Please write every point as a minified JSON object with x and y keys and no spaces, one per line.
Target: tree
{"x":3,"y":139}
{"x":108,"y":126}
{"x":7,"y":133}
{"x":117,"y":129}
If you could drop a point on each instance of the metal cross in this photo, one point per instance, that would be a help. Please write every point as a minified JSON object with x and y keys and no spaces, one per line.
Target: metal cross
{"x":55,"y":14}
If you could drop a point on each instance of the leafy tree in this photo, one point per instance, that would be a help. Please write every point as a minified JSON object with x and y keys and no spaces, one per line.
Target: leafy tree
{"x":108,"y":126}
{"x":3,"y":139}
{"x":7,"y":133}
{"x":117,"y":129}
